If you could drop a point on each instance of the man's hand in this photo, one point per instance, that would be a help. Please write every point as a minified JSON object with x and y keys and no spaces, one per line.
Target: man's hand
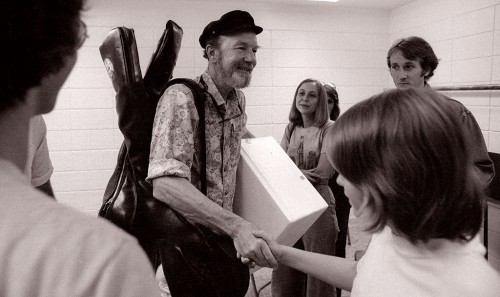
{"x":251,"y":249}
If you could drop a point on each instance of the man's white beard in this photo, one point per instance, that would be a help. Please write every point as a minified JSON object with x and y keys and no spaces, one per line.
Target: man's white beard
{"x":241,"y":81}
{"x":233,"y":77}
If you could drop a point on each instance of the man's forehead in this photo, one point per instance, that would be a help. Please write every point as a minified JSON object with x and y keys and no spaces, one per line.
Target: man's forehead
{"x":406,"y":62}
{"x":401,"y":59}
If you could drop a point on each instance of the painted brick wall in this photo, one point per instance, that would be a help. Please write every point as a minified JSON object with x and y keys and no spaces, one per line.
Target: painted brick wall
{"x":466,"y":37}
{"x":343,"y":46}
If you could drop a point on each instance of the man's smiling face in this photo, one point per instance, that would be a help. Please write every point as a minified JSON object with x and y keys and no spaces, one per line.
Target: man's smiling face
{"x":237,"y":59}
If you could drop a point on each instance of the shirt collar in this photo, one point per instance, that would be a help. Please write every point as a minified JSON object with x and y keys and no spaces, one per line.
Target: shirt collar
{"x":229,"y":109}
{"x":212,"y":88}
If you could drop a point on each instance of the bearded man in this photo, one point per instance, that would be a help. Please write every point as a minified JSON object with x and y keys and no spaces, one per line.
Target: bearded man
{"x":209,"y":249}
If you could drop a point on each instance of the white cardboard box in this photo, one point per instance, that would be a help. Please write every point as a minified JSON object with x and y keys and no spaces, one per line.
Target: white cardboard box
{"x":272,"y":192}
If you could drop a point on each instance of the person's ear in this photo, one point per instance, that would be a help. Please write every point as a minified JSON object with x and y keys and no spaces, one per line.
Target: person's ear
{"x":365,"y":211}
{"x":211,"y":52}
{"x":425,"y":72}
{"x":366,"y":198}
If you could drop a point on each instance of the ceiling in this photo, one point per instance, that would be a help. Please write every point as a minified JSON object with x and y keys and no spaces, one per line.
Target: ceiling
{"x":381,"y":4}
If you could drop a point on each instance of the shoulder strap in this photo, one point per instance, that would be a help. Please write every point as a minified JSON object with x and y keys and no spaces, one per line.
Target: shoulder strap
{"x":199,"y":102}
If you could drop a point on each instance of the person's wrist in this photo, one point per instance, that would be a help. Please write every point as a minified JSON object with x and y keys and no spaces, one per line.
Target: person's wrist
{"x":235,"y":227}
{"x":278,"y":253}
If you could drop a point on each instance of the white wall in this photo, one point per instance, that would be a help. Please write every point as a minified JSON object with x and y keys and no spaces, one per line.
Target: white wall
{"x":343,"y":46}
{"x":466,"y":37}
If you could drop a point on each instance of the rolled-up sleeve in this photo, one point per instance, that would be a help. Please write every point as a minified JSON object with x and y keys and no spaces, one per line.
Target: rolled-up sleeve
{"x":172,"y":145}
{"x":480,"y":156}
{"x":41,"y":167}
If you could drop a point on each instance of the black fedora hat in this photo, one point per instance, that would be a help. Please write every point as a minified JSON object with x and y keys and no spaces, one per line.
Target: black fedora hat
{"x":235,"y":21}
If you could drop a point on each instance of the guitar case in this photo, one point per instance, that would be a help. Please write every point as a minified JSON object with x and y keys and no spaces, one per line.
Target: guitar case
{"x":128,"y":200}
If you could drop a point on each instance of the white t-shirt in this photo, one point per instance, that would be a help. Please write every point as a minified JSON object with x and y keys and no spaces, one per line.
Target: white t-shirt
{"x":50,"y":250}
{"x":38,"y":165}
{"x":392,"y":266}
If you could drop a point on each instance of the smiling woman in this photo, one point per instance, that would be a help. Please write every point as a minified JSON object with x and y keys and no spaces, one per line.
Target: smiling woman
{"x":303,"y":142}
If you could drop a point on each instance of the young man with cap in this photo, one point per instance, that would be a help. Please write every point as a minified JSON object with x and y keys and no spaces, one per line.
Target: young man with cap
{"x":209,"y":248}
{"x":412,"y":63}
{"x":46,"y":248}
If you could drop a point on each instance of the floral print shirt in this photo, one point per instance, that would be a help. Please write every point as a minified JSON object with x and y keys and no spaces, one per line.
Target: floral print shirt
{"x":175,"y":145}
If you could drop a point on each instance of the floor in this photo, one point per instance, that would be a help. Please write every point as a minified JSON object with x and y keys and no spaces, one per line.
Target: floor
{"x":359,"y":241}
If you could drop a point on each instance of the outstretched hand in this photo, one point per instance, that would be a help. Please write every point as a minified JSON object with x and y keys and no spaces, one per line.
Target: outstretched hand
{"x":252,"y":249}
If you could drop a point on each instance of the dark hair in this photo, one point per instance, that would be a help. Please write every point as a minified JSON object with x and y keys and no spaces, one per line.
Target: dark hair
{"x":321,"y":113}
{"x":407,"y":149}
{"x":37,"y":37}
{"x":331,"y":92}
{"x":415,"y":48}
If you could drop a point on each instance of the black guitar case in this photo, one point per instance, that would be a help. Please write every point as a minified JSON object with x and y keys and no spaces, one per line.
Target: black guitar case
{"x":128,"y":200}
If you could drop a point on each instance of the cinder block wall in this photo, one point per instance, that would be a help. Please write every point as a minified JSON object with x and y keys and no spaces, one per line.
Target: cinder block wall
{"x":339,"y":45}
{"x":466,"y":37}
{"x":346,"y":46}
